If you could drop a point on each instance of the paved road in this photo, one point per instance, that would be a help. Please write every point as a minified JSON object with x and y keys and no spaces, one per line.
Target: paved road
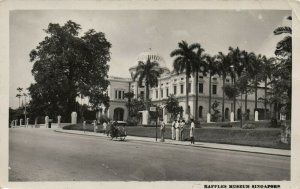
{"x":45,"y":155}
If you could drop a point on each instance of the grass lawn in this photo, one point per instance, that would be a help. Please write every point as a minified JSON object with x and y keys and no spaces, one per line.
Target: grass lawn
{"x":262,"y":137}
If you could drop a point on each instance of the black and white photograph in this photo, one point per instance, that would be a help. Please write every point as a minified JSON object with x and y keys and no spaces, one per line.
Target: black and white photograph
{"x":150,"y":95}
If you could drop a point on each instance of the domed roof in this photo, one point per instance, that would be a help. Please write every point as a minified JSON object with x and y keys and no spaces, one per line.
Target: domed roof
{"x":154,"y":56}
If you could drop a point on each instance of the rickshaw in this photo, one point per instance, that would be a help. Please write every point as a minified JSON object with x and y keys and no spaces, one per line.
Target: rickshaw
{"x":117,"y":132}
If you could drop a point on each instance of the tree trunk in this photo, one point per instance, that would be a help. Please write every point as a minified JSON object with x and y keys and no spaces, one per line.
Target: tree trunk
{"x":234,"y":101}
{"x":265,"y":99}
{"x":196,"y":104}
{"x":209,"y":103}
{"x":255,"y":93}
{"x":147,"y":95}
{"x":246,"y":104}
{"x":187,"y":95}
{"x":223,"y":100}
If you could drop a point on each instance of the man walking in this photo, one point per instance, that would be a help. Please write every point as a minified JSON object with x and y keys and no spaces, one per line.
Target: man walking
{"x":192,"y":132}
{"x":162,"y":131}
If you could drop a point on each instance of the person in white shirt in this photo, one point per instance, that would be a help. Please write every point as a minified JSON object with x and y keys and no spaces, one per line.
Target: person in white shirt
{"x":173,"y":129}
{"x":182,"y":125}
{"x":177,"y":129}
{"x":104,"y":127}
{"x":162,"y":131}
{"x":192,"y":132}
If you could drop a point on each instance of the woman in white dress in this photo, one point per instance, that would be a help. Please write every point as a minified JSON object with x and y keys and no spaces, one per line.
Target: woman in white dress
{"x":177,"y":129}
{"x":192,"y":132}
{"x":173,"y":129}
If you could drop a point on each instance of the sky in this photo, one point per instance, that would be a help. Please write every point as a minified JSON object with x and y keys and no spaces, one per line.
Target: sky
{"x":132,"y":32}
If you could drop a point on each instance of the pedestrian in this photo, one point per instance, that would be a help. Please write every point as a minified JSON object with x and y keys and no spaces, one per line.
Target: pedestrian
{"x":177,"y":129}
{"x":162,"y":131}
{"x":173,"y":129}
{"x":104,"y":127}
{"x":192,"y":132}
{"x":182,"y":126}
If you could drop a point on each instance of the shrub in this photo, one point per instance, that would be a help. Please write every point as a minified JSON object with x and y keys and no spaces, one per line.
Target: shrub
{"x":132,"y":121}
{"x":248,"y":126}
{"x":274,"y":123}
{"x":226,"y":125}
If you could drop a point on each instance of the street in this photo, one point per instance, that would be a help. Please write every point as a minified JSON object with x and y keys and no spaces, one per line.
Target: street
{"x":46,"y":155}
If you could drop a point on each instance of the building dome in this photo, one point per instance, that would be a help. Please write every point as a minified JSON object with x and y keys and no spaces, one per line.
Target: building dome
{"x":154,"y":56}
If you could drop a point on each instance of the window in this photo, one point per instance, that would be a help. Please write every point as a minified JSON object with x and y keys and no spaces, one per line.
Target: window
{"x":190,"y":87}
{"x":214,"y":89}
{"x":116,"y":94}
{"x":123,"y":94}
{"x":200,"y":87}
{"x":181,"y":78}
{"x":215,"y":79}
{"x":200,"y":111}
{"x":227,"y":80}
{"x":200,"y":77}
{"x":161,"y":93}
{"x":142,"y":94}
{"x":167,"y":92}
{"x":156,"y":93}
{"x":181,"y":89}
{"x":175,"y":90}
{"x":120,"y":94}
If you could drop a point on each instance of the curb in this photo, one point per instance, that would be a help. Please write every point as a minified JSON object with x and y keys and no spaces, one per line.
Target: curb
{"x":209,"y":147}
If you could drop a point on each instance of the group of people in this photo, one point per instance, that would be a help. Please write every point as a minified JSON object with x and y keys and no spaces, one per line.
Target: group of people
{"x":177,"y":129}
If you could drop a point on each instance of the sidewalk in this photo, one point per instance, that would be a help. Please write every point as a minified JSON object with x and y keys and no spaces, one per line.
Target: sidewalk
{"x":239,"y":148}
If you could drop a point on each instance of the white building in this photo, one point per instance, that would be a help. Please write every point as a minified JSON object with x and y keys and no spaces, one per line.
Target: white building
{"x":173,"y":83}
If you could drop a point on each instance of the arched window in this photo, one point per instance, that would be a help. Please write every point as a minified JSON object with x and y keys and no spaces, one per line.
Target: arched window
{"x":200,"y":111}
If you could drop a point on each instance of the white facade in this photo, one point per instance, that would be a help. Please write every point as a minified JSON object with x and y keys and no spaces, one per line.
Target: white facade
{"x":173,"y":83}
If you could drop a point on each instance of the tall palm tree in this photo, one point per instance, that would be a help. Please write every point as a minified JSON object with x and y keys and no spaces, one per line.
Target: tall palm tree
{"x":284,"y":47}
{"x":149,"y":73}
{"x":224,"y":67}
{"x":267,"y":70}
{"x":212,"y":68}
{"x":235,"y":57}
{"x":257,"y":69}
{"x":199,"y":65}
{"x":248,"y":67}
{"x":185,"y":55}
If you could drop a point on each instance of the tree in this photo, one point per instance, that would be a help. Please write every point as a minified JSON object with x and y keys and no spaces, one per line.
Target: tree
{"x":212,"y":66}
{"x":267,"y":70}
{"x":67,"y":65}
{"x":172,"y":106}
{"x":149,"y":73}
{"x":282,"y":81}
{"x":198,"y":65}
{"x":129,"y":95}
{"x":257,"y":62}
{"x":185,"y":55}
{"x":235,"y":55}
{"x":213,"y":70}
{"x":224,"y":67}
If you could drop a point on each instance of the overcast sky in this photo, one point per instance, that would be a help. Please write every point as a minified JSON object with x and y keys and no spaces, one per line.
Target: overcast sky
{"x":132,"y":32}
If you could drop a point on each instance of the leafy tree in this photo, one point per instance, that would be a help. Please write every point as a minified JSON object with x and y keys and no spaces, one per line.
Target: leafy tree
{"x":67,"y":65}
{"x":149,"y":73}
{"x":172,"y":106}
{"x":185,"y":56}
{"x":283,"y":70}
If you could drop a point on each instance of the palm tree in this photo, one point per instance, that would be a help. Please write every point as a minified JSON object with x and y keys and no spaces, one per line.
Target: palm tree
{"x":248,"y":67}
{"x":235,"y":57}
{"x":185,"y":55}
{"x":149,"y":73}
{"x":199,"y":65}
{"x":212,"y":68}
{"x":257,"y":69}
{"x":284,"y":47}
{"x":267,"y":70}
{"x":224,"y":67}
